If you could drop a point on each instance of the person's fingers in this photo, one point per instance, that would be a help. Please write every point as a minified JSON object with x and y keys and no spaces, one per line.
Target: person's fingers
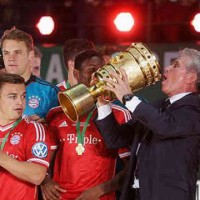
{"x":37,"y":118}
{"x":117,"y":77}
{"x":60,"y":189}
{"x":55,"y":194}
{"x":50,"y":193}
{"x":124,"y":75}
{"x":41,"y":120}
{"x":110,"y":82}
{"x":34,"y":117}
{"x":44,"y":197}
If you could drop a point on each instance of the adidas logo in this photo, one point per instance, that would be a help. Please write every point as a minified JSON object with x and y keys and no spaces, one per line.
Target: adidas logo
{"x":63,"y":124}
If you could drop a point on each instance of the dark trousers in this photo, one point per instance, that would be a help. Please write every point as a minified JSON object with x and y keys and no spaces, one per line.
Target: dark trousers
{"x":135,"y":194}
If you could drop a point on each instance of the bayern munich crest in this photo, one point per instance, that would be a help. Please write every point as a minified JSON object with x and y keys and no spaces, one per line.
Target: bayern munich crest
{"x":40,"y":150}
{"x":15,"y":139}
{"x":34,"y":101}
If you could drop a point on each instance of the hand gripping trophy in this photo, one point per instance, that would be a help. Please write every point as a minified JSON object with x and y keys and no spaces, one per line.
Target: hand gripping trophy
{"x":142,"y":70}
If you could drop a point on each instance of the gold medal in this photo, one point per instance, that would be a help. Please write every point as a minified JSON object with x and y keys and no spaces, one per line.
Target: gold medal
{"x":80,"y":149}
{"x":80,"y":135}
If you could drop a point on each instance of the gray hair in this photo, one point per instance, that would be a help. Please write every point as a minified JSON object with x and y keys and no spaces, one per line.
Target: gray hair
{"x":194,"y":64}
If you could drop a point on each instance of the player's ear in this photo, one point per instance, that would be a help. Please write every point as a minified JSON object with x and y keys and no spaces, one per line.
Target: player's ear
{"x":31,"y":55}
{"x":191,"y":78}
{"x":76,"y":74}
{"x":70,"y":64}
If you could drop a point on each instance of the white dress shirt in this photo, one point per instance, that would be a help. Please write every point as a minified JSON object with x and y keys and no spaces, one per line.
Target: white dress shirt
{"x":105,"y":110}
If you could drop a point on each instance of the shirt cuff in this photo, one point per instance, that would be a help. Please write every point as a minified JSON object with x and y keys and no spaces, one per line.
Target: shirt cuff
{"x":133,"y":103}
{"x":104,"y":111}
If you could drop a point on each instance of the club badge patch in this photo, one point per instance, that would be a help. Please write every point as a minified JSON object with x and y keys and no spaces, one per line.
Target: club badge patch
{"x":40,"y":150}
{"x":15,"y":139}
{"x":34,"y":101}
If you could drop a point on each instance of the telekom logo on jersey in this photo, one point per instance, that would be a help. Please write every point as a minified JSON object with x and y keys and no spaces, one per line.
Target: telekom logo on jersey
{"x":72,"y":138}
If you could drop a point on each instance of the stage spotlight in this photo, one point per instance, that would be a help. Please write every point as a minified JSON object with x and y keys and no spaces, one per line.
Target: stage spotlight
{"x":46,"y":25}
{"x":124,"y":21}
{"x":196,"y":22}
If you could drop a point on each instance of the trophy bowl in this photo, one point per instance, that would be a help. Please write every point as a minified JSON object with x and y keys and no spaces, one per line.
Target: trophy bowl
{"x":140,"y":65}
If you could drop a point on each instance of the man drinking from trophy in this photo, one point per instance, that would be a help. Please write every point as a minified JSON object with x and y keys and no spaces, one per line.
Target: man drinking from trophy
{"x":164,"y":137}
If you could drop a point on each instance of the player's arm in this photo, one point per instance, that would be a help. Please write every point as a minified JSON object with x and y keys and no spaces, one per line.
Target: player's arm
{"x":27,"y":171}
{"x":105,"y":188}
{"x":51,"y":189}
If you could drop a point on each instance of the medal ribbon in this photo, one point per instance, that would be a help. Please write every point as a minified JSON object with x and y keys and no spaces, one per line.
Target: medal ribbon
{"x":6,"y":136}
{"x":67,"y":84}
{"x":78,"y":129}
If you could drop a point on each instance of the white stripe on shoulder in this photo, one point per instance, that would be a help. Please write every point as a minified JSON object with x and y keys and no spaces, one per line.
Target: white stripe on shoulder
{"x":36,"y":132}
{"x":40,"y":132}
{"x":126,"y":112}
{"x":43,"y":132}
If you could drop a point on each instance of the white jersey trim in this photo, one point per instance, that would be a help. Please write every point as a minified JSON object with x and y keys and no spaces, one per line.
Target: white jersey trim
{"x":126,"y":112}
{"x":124,"y":155}
{"x":40,"y":132}
{"x":4,"y":128}
{"x":44,"y":162}
{"x":54,"y":147}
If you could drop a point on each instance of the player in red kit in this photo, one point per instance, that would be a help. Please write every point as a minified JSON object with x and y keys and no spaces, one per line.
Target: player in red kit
{"x":24,"y":156}
{"x":89,"y":173}
{"x":95,"y":165}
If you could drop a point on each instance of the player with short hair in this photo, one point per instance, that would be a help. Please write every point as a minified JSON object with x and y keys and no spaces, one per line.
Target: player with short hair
{"x":17,"y":49}
{"x":86,"y":172}
{"x":24,"y":144}
{"x":71,"y":49}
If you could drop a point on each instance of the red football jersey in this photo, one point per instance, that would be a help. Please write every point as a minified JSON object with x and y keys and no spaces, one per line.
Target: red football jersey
{"x":29,"y":142}
{"x":74,"y":172}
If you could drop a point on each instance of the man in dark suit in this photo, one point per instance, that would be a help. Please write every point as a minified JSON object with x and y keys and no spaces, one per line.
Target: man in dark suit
{"x":165,"y":141}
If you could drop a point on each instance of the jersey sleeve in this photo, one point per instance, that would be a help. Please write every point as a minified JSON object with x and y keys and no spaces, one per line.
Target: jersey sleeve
{"x":38,"y":143}
{"x":124,"y":153}
{"x":53,"y":139}
{"x":122,"y":115}
{"x":51,"y":119}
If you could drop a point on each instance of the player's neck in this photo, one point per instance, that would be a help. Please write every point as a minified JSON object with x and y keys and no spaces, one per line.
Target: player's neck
{"x":4,"y":122}
{"x":26,"y":76}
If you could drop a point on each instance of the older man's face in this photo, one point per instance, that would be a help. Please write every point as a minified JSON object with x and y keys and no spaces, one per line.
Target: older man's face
{"x":175,"y":77}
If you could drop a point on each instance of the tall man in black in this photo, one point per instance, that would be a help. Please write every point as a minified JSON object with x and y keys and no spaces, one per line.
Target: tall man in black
{"x":165,"y":142}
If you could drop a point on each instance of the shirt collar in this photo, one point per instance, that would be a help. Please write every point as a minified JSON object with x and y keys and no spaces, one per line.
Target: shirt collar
{"x":30,"y":80}
{"x":178,"y":96}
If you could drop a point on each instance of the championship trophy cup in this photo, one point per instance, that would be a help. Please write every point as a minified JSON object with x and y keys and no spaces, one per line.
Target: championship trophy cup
{"x":139,"y":64}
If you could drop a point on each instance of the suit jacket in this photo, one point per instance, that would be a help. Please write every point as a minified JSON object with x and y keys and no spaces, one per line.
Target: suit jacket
{"x":168,"y":156}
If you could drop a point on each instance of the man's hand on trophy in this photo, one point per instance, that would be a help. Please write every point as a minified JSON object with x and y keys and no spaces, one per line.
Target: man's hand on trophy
{"x":119,"y":84}
{"x":93,"y":79}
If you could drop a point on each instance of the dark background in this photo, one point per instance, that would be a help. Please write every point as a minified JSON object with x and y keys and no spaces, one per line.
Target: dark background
{"x":156,"y":21}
